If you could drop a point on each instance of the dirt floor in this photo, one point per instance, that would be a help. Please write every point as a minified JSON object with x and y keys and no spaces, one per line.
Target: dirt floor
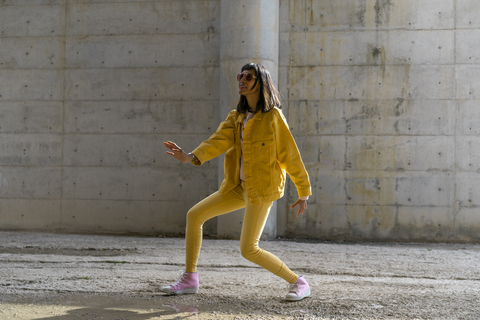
{"x":62,"y":277}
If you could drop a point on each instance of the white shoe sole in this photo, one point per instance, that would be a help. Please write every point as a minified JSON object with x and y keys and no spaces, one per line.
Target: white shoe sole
{"x":296,"y":298}
{"x":184,"y":291}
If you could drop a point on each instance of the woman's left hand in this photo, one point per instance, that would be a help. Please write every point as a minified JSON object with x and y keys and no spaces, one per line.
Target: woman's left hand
{"x":302,"y":205}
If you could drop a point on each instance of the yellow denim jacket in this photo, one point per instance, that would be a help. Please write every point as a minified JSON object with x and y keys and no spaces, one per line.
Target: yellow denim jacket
{"x":269,"y":151}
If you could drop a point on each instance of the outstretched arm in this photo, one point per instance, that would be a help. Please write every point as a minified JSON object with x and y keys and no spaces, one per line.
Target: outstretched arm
{"x":219,"y":142}
{"x":178,"y":153}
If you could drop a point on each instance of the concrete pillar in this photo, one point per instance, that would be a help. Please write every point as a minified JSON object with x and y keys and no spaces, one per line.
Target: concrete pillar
{"x":249,"y":33}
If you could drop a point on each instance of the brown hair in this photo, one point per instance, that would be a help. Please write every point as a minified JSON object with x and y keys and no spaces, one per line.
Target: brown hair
{"x":269,"y":96}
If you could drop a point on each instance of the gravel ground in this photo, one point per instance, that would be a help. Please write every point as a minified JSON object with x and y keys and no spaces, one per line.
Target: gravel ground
{"x":62,"y":277}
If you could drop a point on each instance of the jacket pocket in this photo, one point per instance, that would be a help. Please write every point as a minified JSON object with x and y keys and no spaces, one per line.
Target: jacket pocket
{"x":264,"y":166}
{"x":265,"y":151}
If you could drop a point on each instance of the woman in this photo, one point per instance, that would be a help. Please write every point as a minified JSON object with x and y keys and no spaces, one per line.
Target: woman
{"x":259,"y":150}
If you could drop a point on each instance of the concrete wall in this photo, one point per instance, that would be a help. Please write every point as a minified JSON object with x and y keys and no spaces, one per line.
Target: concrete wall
{"x":382,"y":99}
{"x":89,"y":90}
{"x":381,"y":96}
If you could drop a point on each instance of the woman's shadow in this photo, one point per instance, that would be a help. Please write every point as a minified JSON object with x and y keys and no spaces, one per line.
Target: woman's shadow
{"x":115,"y":313}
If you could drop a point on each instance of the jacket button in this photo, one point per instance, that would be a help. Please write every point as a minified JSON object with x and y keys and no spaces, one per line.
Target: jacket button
{"x":263,"y":144}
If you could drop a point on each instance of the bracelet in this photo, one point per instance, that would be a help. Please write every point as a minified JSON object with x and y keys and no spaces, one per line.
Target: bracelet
{"x":195,"y":159}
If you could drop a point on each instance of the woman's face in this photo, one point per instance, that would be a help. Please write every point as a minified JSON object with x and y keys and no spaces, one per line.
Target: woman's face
{"x":245,"y":86}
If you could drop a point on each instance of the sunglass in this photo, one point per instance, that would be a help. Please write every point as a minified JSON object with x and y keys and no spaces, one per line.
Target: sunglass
{"x":247,"y":76}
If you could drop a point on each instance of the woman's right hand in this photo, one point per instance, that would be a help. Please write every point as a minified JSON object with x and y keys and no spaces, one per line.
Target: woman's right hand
{"x":177,"y":152}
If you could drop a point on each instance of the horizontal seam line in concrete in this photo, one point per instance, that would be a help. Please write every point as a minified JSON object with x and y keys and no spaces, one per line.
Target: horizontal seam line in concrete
{"x":218,"y":66}
{"x":131,"y":2}
{"x":124,"y":35}
{"x":140,"y":100}
{"x":78,"y":3}
{"x":309,"y":166}
{"x":99,"y":167}
{"x":120,"y":68}
{"x":377,"y":65}
{"x":283,"y":32}
{"x":110,"y":100}
{"x":62,"y":37}
{"x":392,"y":205}
{"x":386,"y":99}
{"x":141,"y":133}
{"x":132,"y":100}
{"x":97,"y":199}
{"x":129,"y":133}
{"x":297,"y":135}
{"x":358,"y":99}
{"x":193,"y":200}
{"x":453,"y":135}
{"x":80,"y":167}
{"x":317,"y":165}
{"x":216,"y":100}
{"x":366,"y":134}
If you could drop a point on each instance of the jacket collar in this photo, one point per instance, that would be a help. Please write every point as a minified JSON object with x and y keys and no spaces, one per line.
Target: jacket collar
{"x":257,"y":116}
{"x":241,"y":117}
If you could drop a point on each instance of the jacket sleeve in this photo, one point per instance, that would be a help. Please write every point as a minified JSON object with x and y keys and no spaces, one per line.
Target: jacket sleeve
{"x":218,"y":143}
{"x":289,"y":156}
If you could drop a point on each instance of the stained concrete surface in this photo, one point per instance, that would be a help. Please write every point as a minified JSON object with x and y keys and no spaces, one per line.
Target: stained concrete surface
{"x":381,"y":97}
{"x":59,"y":277}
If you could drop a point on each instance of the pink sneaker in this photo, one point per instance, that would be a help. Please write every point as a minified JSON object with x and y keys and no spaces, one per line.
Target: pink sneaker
{"x":187,"y":282}
{"x":298,"y":290}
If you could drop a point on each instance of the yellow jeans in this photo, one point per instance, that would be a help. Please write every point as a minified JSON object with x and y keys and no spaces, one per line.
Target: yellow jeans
{"x":253,"y":224}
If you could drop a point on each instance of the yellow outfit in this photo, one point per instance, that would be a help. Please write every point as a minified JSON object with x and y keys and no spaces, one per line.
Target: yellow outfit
{"x":253,"y":223}
{"x":269,"y":152}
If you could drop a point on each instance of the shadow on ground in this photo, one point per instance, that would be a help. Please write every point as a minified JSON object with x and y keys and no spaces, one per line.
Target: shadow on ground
{"x":121,"y":306}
